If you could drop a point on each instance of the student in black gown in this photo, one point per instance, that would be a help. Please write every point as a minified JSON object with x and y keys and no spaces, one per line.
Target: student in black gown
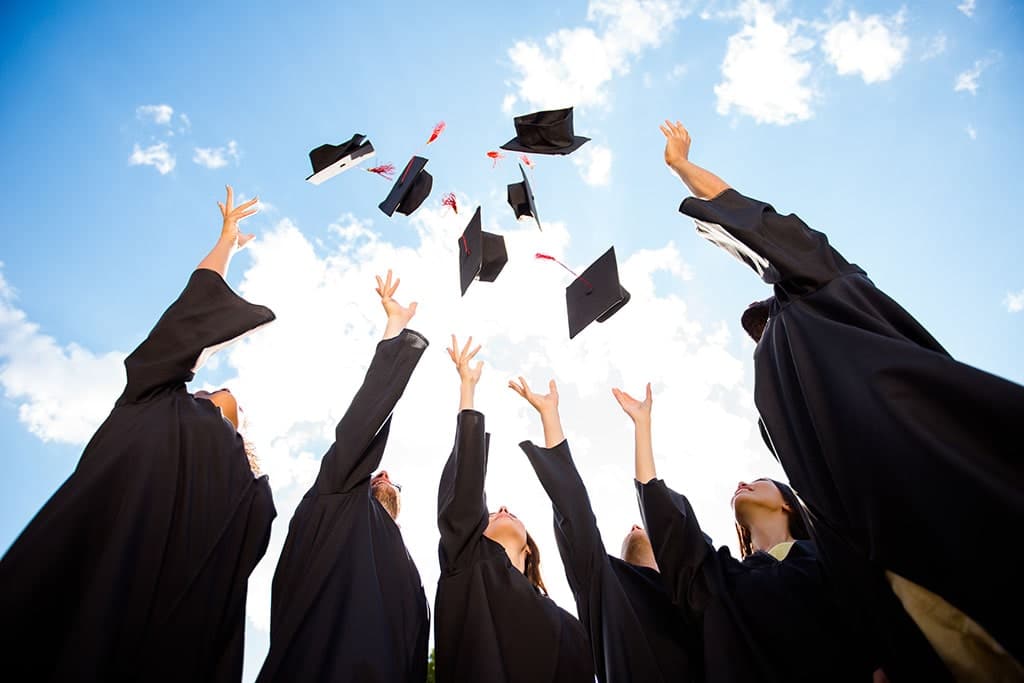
{"x":136,"y":569}
{"x":879,"y":429}
{"x":348,"y":603}
{"x":636,"y":633}
{"x":493,"y":619}
{"x":766,"y":617}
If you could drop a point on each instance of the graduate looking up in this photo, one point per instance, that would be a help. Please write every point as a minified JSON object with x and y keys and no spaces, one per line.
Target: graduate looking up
{"x":768,"y":616}
{"x":874,"y":422}
{"x":494,"y":621}
{"x":636,"y":633}
{"x":347,"y":601}
{"x":136,"y":569}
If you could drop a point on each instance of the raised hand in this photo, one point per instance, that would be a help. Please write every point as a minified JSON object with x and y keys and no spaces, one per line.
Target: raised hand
{"x":639,"y":411}
{"x":398,"y":315}
{"x":677,"y":143}
{"x":543,"y":403}
{"x":232,"y":215}
{"x":468,"y":373}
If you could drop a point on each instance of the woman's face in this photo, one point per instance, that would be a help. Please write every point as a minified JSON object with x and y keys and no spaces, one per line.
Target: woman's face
{"x":502,"y":526}
{"x":761,"y":493}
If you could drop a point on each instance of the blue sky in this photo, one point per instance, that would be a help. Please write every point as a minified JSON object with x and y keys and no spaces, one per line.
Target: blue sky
{"x":892,"y":127}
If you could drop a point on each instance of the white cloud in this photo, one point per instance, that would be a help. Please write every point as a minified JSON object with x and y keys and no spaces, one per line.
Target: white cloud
{"x":873,"y":46}
{"x":967,"y":81}
{"x":157,"y":156}
{"x":936,"y":46}
{"x":1014,"y":302}
{"x":158,"y":113}
{"x":218,"y":157}
{"x":972,"y":133}
{"x":764,"y":75}
{"x":573,"y":66}
{"x":594,"y":162}
{"x":62,"y":393}
{"x":967,"y":7}
{"x":328,"y":311}
{"x":678,"y":71}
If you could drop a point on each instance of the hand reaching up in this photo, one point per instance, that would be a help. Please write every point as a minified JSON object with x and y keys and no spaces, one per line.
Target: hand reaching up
{"x":398,"y":315}
{"x":543,"y":403}
{"x":469,"y":373}
{"x":232,"y":215}
{"x":639,"y":411}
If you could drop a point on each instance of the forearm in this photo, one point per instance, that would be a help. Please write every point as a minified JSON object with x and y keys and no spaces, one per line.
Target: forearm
{"x":467,"y":393}
{"x":219,"y":257}
{"x":703,"y":184}
{"x":644,"y":453}
{"x":394,"y":327}
{"x":552,"y":423}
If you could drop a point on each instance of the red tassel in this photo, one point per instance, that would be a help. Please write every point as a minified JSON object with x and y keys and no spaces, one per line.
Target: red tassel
{"x":449,"y":200}
{"x":495,"y":155}
{"x":438,"y":129}
{"x":552,"y":258}
{"x":527,"y":161}
{"x":384,"y":170}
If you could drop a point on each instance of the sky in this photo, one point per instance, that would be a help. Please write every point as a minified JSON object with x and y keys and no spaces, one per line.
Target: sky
{"x":891,"y":127}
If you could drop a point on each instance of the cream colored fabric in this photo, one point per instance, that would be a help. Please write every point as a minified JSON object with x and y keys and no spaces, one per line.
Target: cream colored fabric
{"x":781,"y":550}
{"x":963,"y":645}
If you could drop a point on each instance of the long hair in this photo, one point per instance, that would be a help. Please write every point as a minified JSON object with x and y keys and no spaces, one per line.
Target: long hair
{"x":531,"y":567}
{"x":798,"y":518}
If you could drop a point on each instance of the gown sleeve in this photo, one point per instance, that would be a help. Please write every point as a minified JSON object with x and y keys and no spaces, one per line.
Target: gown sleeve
{"x":576,"y":532}
{"x":461,"y":501}
{"x":206,"y":317}
{"x":362,"y":432}
{"x":782,"y":250}
{"x":683,"y":552}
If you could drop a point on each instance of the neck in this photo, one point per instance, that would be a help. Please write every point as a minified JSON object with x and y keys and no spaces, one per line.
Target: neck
{"x":515,"y":553}
{"x":768,"y":531}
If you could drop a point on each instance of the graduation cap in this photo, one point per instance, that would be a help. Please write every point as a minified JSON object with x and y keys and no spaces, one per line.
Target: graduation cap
{"x":330,"y":160}
{"x":411,"y":188}
{"x":596,"y":294}
{"x":545,"y":132}
{"x":481,"y":254}
{"x":520,"y":198}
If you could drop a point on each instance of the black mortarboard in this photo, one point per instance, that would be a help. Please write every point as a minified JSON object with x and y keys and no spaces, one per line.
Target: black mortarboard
{"x":330,"y":160}
{"x":596,"y":294}
{"x":481,"y":253}
{"x":520,"y":198}
{"x":545,"y":132}
{"x":411,"y":188}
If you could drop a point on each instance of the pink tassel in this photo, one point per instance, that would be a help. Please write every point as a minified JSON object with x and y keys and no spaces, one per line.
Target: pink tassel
{"x":495,"y":155}
{"x":527,"y":161}
{"x":552,"y":258}
{"x":384,"y":170}
{"x":438,"y":129}
{"x":449,"y":200}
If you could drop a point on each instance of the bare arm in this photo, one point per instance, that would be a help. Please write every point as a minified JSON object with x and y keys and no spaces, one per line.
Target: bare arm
{"x":640,"y":413}
{"x":703,"y":184}
{"x":231,"y":240}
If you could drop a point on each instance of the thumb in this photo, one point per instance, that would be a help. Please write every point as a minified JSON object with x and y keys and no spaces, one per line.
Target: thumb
{"x":412,"y":309}
{"x":245,"y":239}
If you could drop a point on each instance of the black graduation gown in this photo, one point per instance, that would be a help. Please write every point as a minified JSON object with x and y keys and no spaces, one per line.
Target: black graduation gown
{"x":347,"y":601}
{"x":137,"y":568}
{"x":491,"y":624}
{"x":904,"y":456}
{"x":636,"y":633}
{"x":760,"y":619}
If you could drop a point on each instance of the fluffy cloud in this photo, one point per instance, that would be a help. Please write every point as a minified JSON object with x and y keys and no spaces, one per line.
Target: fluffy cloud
{"x":967,"y":7}
{"x":295,"y":378}
{"x":158,"y":156}
{"x":972,"y":133}
{"x":157,"y":113}
{"x":62,"y":393}
{"x":1014,"y":302}
{"x":764,"y":71}
{"x":218,"y":157}
{"x":873,"y":47}
{"x":573,"y":66}
{"x":936,"y":46}
{"x":594,"y":162}
{"x":967,"y":81}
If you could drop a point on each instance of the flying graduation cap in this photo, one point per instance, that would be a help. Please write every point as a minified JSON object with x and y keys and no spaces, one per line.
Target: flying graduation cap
{"x":596,"y":294}
{"x":520,"y":198}
{"x":411,"y":188}
{"x":481,"y":254}
{"x":330,"y":160}
{"x":545,"y":132}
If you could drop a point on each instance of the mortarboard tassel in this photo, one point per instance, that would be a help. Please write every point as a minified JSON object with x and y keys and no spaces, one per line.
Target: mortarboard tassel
{"x":449,"y":200}
{"x":552,"y":258}
{"x":436,"y":133}
{"x":386,"y":171}
{"x":527,"y":160}
{"x":495,"y":155}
